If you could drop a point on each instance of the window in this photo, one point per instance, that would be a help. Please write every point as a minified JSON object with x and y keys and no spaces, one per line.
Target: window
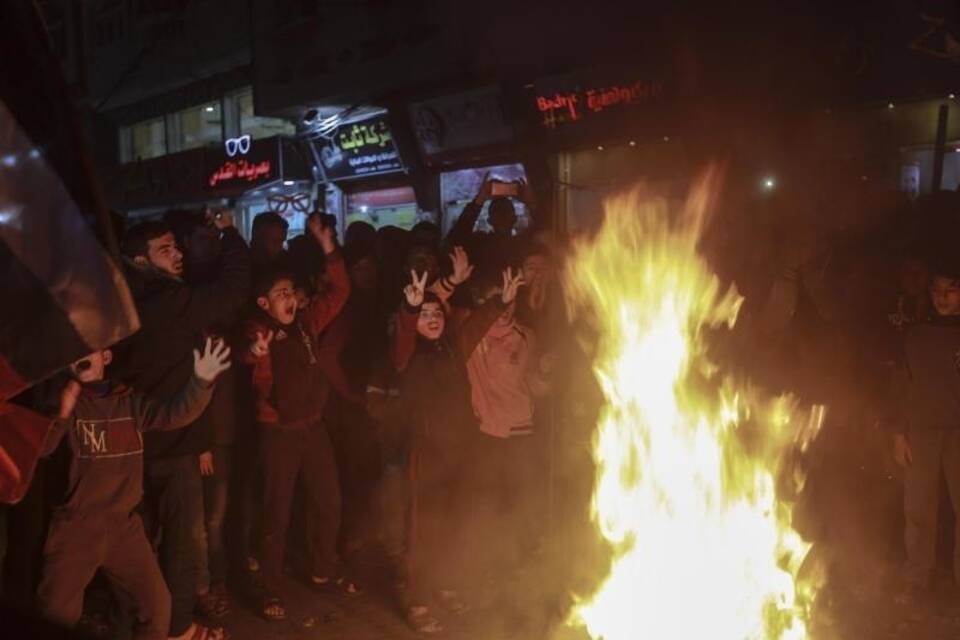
{"x":243,"y":121}
{"x":195,"y":127}
{"x":143,"y":140}
{"x":458,"y":188}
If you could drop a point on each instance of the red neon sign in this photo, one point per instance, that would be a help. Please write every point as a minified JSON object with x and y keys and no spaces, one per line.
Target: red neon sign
{"x":240,"y":170}
{"x":561,"y":108}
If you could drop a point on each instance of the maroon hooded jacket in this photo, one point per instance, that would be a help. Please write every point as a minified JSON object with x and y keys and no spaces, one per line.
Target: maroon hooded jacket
{"x":289,"y":383}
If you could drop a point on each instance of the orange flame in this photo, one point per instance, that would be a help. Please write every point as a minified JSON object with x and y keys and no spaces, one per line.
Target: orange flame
{"x":686,"y":460}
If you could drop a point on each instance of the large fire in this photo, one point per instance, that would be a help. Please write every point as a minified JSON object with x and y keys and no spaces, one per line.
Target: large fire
{"x":688,"y":462}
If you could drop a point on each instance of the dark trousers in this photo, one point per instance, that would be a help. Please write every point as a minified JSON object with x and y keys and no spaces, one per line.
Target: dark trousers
{"x":436,"y":524}
{"x":933,"y":450}
{"x":117,"y":545}
{"x":212,"y":565}
{"x":509,"y":491}
{"x":174,"y":509}
{"x":246,"y":496}
{"x":356,"y":446}
{"x":285,"y":457}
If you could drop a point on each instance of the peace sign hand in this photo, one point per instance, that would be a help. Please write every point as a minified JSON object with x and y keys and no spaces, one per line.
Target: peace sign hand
{"x":261,"y":346}
{"x":414,"y":291}
{"x":511,"y":283}
{"x":462,"y":269}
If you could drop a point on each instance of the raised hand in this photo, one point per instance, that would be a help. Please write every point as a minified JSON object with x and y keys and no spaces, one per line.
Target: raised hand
{"x":486,"y":190}
{"x":511,"y":283}
{"x":68,"y":398}
{"x":322,"y":233}
{"x":414,"y":291}
{"x":214,"y":361}
{"x":222,"y":218}
{"x":524,"y":192}
{"x":462,"y":269}
{"x":261,"y":346}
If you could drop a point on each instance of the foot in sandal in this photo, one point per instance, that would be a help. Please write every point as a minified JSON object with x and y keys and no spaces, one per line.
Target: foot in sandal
{"x":272,"y":609}
{"x":452,"y":602}
{"x":336,"y":586}
{"x":203,"y":632}
{"x":420,"y":620}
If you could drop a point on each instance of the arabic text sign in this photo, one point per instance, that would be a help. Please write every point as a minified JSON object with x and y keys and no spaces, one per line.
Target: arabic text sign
{"x":564,"y":107}
{"x":232,"y":171}
{"x":361,"y":149}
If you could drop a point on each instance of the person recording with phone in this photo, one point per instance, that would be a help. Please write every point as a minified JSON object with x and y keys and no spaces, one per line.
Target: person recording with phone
{"x":496,"y":250}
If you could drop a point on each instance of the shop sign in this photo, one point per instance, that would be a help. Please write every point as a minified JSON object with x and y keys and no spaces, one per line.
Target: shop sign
{"x":233,"y":171}
{"x":360,"y":149}
{"x":559,"y":108}
{"x":244,"y":163}
{"x":461,"y":121}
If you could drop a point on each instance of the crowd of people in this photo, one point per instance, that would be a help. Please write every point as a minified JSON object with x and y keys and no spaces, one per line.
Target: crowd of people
{"x":344,"y":397}
{"x":291,"y":406}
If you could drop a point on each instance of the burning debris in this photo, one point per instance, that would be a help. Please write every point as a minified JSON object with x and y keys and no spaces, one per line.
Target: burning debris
{"x":690,"y":463}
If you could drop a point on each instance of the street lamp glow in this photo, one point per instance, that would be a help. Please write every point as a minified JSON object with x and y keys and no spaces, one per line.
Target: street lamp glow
{"x":769,"y":183}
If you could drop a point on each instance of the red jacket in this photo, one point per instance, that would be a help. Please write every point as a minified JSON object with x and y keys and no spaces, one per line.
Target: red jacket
{"x":288,"y":382}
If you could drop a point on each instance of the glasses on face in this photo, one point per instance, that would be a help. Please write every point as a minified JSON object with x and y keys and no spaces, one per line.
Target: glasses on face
{"x":280,"y":203}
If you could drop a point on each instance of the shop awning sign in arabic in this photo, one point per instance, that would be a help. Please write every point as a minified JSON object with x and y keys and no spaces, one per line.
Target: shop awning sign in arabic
{"x":361,"y":149}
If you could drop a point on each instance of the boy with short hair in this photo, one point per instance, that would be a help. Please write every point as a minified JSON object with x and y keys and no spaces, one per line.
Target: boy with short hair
{"x":291,"y":392}
{"x":928,"y":439}
{"x":96,"y":526}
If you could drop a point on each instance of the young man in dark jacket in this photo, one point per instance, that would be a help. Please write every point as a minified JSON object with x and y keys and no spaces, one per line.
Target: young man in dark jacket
{"x":96,"y":526}
{"x":927,"y":438}
{"x":157,"y":360}
{"x":291,"y":394}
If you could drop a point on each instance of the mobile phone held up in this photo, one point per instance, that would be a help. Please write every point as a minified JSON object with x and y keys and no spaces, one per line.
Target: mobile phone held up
{"x":498,"y":188}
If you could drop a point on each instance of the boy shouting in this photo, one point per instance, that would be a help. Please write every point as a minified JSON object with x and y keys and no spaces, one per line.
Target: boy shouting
{"x":96,"y":527}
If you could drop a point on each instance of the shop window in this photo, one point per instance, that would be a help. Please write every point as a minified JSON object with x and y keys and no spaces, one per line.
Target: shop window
{"x":200,"y":126}
{"x":245,"y":122}
{"x":916,"y":169}
{"x":395,"y":207}
{"x":143,"y":140}
{"x":458,"y":188}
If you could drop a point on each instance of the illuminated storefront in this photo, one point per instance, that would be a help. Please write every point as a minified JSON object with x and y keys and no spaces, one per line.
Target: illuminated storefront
{"x":367,"y":180}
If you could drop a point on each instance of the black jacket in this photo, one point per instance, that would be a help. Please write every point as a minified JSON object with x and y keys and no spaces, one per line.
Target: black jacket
{"x":930,"y":375}
{"x":174,"y":316}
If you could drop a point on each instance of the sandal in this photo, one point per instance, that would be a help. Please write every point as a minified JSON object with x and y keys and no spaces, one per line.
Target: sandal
{"x":271,"y":608}
{"x":212,"y":605}
{"x":336,"y":586}
{"x":421,"y":621}
{"x":450,"y":600}
{"x":203,"y":632}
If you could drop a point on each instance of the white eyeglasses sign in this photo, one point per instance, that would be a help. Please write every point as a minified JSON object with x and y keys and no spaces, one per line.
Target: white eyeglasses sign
{"x":239,"y":145}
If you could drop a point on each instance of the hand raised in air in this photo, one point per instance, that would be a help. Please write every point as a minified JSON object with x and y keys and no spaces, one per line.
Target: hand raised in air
{"x":462,"y":269}
{"x":214,"y":360}
{"x":415,"y":290}
{"x":261,"y":346}
{"x":511,"y":283}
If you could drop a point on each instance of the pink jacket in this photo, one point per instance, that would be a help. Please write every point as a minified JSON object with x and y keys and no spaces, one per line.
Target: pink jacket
{"x":503,"y":380}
